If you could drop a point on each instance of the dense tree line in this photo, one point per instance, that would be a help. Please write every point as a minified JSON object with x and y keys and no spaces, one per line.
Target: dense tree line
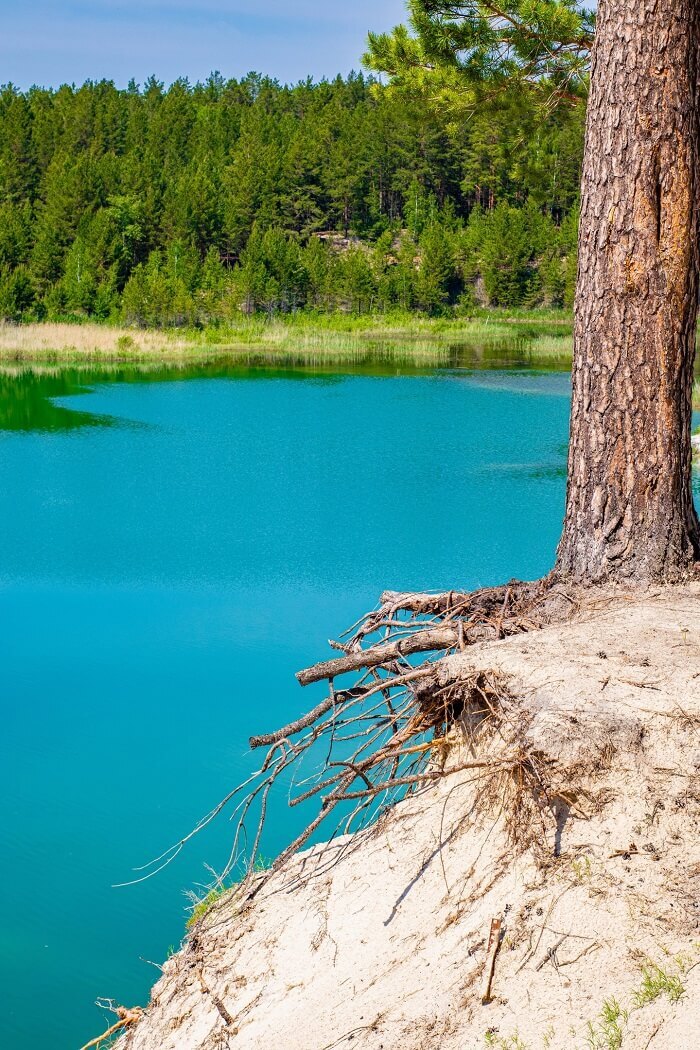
{"x":188,"y":205}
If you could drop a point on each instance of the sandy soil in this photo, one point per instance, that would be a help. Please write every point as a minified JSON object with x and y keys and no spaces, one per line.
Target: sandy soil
{"x":380,"y":941}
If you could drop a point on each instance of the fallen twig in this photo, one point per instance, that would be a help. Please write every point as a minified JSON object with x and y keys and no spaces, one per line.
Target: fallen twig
{"x":551,"y":953}
{"x":631,"y":851}
{"x":223,"y":1012}
{"x":491,"y":952}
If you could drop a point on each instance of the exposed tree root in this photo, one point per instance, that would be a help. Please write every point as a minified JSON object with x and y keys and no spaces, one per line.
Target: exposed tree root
{"x":128,"y":1016}
{"x":391,"y":731}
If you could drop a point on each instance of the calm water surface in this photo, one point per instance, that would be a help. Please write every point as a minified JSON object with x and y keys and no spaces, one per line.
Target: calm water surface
{"x":172,"y":551}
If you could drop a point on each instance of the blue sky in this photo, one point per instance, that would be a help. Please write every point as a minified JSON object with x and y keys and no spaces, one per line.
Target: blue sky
{"x":50,"y":42}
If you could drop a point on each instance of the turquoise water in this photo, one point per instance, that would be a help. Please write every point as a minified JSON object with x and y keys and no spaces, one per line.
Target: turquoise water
{"x":172,"y":552}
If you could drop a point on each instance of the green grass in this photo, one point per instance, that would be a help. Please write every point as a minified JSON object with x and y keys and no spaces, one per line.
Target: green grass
{"x":200,"y":909}
{"x":202,"y":905}
{"x":301,"y":339}
{"x":487,"y":338}
{"x":656,"y":982}
{"x":605,"y":1033}
{"x":510,"y":1042}
{"x":402,"y":335}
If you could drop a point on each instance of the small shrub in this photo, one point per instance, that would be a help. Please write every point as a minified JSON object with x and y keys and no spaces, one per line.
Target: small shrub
{"x":125,"y":343}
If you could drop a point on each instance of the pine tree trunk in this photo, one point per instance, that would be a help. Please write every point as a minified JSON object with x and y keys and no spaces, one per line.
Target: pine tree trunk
{"x":629,"y":513}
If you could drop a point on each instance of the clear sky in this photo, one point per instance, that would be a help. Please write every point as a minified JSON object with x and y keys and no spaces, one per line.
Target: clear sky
{"x":50,"y":42}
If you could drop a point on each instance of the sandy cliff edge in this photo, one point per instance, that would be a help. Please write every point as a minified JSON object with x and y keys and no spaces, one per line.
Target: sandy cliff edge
{"x":379,"y":941}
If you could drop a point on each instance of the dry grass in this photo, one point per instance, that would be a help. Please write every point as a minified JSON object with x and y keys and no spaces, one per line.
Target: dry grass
{"x":47,"y":342}
{"x":294,"y":341}
{"x":254,"y":342}
{"x":300,"y":342}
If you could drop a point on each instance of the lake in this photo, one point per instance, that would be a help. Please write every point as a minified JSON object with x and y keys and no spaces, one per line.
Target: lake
{"x":175,"y":547}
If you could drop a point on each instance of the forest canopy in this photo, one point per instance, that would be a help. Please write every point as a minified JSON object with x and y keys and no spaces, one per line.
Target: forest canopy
{"x":188,"y":205}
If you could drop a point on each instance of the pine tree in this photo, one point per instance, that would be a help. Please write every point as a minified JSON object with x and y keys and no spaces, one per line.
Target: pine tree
{"x":18,"y":164}
{"x":630,"y":514}
{"x":436,"y":275}
{"x":481,"y":48}
{"x":17,"y":296}
{"x":506,"y":254}
{"x":80,"y":279}
{"x":107,"y":176}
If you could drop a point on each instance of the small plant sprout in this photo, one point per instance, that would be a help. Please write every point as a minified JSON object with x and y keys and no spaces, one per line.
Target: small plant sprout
{"x":656,"y":982}
{"x":201,"y":906}
{"x":607,"y":1031}
{"x":582,"y":869}
{"x":510,"y":1042}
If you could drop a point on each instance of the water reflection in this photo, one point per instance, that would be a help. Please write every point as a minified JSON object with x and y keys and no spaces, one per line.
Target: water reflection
{"x":30,"y":395}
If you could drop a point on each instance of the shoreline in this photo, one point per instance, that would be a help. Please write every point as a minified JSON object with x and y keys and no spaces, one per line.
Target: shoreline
{"x":491,"y":340}
{"x":294,"y":340}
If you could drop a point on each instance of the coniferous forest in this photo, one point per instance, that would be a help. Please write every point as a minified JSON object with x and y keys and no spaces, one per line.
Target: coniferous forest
{"x":188,"y":205}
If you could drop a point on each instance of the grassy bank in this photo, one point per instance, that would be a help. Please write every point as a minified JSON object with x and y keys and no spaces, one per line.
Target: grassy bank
{"x":535,"y":338}
{"x":300,"y":339}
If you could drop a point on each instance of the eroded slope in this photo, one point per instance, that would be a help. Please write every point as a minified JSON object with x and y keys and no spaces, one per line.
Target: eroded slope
{"x":379,"y":941}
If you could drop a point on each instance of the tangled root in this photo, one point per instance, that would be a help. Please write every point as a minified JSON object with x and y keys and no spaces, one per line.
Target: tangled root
{"x":127,"y":1017}
{"x":395,"y":729}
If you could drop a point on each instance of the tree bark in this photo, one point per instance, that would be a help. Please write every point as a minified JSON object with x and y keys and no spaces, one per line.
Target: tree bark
{"x":629,"y":512}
